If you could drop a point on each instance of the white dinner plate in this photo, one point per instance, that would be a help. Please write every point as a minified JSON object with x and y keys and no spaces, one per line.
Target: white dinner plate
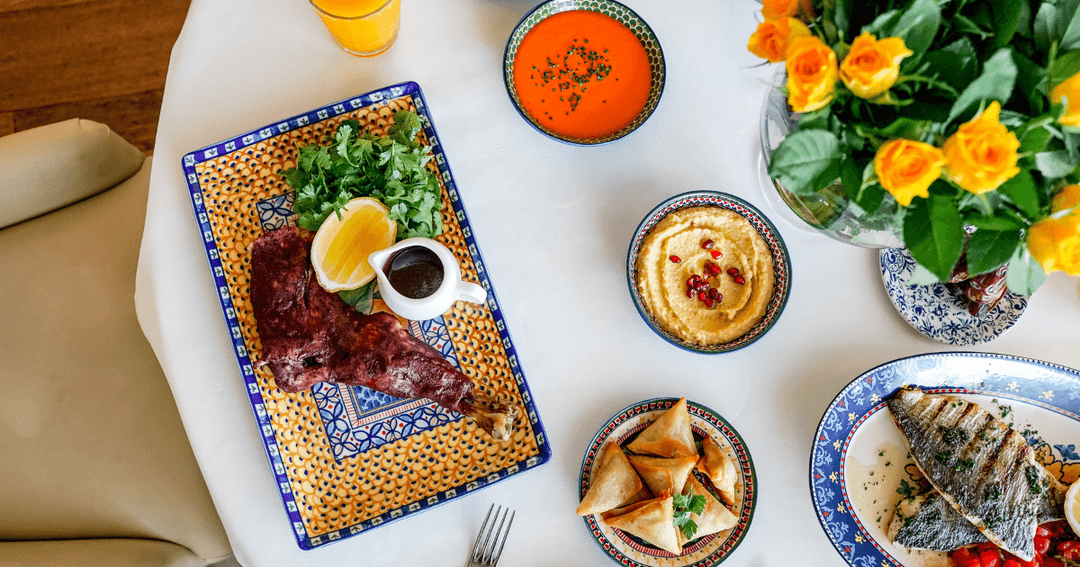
{"x":860,"y":459}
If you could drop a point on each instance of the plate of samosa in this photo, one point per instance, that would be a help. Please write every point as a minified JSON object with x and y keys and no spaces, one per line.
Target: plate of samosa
{"x":666,"y":482}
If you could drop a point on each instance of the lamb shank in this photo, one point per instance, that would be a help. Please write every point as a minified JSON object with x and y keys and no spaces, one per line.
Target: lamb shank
{"x":310,"y":335}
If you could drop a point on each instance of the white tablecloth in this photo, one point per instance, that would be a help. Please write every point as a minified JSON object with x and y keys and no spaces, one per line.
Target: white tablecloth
{"x":554,"y":223}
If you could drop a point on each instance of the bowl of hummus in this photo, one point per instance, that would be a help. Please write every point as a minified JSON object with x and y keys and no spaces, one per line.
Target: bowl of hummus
{"x":708,"y":272}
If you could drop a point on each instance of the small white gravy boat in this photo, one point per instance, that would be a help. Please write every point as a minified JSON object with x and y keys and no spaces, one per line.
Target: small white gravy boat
{"x":408,"y":279}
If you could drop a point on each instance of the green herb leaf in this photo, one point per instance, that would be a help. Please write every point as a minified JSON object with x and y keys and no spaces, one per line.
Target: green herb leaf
{"x":1020,"y":190}
{"x":934,"y":234}
{"x":683,"y":505}
{"x":391,"y":169}
{"x":995,"y":83}
{"x":802,"y":157}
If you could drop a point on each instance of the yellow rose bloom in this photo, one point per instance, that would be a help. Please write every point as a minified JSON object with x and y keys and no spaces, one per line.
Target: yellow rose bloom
{"x":981,"y":155}
{"x":1068,"y":93}
{"x":779,"y":9}
{"x":872,"y":66}
{"x":906,"y":168}
{"x":772,"y":38}
{"x":811,"y":70}
{"x":1055,"y":242}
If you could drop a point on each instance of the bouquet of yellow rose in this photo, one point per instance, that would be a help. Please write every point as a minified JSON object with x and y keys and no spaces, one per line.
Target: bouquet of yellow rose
{"x":966,"y":113}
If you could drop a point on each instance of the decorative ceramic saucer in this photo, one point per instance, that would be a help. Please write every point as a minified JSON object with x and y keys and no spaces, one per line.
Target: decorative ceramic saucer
{"x":936,"y":312}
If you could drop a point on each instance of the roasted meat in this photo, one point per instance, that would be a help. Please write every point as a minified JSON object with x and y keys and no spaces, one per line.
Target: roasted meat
{"x":310,"y":335}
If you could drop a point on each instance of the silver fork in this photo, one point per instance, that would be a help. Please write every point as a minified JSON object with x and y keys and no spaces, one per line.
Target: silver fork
{"x":484,"y":552}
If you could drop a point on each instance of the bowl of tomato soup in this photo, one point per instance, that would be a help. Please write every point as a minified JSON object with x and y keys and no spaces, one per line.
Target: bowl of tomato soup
{"x":584,"y":71}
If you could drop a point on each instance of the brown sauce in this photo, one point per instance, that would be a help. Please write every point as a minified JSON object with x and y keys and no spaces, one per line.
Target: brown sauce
{"x":415,"y":272}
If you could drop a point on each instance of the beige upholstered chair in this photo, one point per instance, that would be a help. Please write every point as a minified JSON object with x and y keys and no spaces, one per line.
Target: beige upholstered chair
{"x":95,"y":468}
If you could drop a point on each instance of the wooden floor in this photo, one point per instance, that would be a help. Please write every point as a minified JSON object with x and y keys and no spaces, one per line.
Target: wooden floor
{"x":104,"y":60}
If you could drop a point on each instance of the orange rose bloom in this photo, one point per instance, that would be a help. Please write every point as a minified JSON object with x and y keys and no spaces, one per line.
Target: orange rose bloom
{"x":1055,"y":242}
{"x":1070,"y":92}
{"x":981,"y":155}
{"x":772,"y":38}
{"x":811,"y":70}
{"x":906,"y":168}
{"x":872,"y":66}
{"x":779,"y":9}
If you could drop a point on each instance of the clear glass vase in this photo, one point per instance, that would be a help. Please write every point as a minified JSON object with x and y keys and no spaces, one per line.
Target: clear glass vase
{"x":828,"y":211}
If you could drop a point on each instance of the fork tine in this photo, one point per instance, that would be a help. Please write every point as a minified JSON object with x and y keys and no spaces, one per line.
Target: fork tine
{"x":485,"y":557}
{"x":505,"y":536}
{"x":476,"y":546}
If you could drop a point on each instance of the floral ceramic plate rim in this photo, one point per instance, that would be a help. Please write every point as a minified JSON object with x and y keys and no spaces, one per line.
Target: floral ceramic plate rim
{"x":608,"y":7}
{"x":277,"y":454}
{"x":764,"y":227}
{"x":706,"y":551}
{"x":1041,"y":386}
{"x":936,"y":313}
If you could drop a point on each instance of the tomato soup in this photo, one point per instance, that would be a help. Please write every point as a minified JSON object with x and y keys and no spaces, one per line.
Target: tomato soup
{"x":582,"y":74}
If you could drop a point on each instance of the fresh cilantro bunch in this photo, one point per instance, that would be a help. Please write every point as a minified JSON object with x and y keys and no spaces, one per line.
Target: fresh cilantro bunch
{"x":355,"y":164}
{"x":684,"y":505}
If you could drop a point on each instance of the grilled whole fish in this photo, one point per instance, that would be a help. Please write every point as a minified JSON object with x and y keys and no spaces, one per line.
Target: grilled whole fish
{"x":986,"y":471}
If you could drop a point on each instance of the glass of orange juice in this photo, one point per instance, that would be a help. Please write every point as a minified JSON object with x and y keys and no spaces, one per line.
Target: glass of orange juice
{"x":361,"y":27}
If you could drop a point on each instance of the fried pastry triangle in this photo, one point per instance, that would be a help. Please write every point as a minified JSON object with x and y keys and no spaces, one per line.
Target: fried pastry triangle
{"x":720,"y":469}
{"x":663,"y":474}
{"x":714,"y":519}
{"x":651,"y":520}
{"x":669,"y":436}
{"x":613,"y":484}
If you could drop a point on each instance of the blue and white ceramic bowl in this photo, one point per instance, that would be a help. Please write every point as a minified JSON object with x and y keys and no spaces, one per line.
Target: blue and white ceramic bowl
{"x":764,"y":227}
{"x":937,"y":313}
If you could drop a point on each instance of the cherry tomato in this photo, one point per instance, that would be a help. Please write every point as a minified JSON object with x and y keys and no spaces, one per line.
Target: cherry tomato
{"x":1043,"y":531}
{"x":1042,"y":545}
{"x":1051,"y":562}
{"x":1010,"y":563}
{"x":990,"y":558}
{"x":964,"y":558}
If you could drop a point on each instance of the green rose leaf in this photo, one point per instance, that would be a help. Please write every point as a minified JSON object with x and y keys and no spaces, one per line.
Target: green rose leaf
{"x":1020,"y":190}
{"x":934,"y":234}
{"x":1063,"y":67}
{"x":918,"y":25}
{"x":1055,"y":165}
{"x":1006,"y":17}
{"x":968,"y":27}
{"x":802,"y":157}
{"x":995,"y":83}
{"x":1025,"y":275}
{"x":1035,"y":140}
{"x":995,"y":241}
{"x":956,"y":64}
{"x":1068,"y":24}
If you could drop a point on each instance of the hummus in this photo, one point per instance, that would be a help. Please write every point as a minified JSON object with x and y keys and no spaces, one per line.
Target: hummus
{"x":679,"y":248}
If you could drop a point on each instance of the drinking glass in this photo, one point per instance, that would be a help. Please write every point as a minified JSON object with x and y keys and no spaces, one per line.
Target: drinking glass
{"x":361,"y":27}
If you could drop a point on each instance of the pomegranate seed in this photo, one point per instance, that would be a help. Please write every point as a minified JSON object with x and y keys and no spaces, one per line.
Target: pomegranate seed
{"x":707,"y":244}
{"x":739,"y":280}
{"x":708,"y":302}
{"x":733,"y":272}
{"x":719,"y":297}
{"x":713,"y":293}
{"x":716,"y":254}
{"x":712,"y":268}
{"x":675,"y":259}
{"x":701,"y":296}
{"x":690,"y":292}
{"x":694,"y":280}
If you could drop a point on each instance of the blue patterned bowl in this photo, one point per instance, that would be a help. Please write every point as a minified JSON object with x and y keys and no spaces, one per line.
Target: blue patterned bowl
{"x":611,"y":8}
{"x":765,"y":228}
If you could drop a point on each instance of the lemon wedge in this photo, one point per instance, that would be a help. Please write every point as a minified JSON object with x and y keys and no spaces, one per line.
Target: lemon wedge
{"x":341,"y":246}
{"x":1072,"y":507}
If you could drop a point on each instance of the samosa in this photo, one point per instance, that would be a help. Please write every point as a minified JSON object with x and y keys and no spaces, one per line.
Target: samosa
{"x":651,"y":520}
{"x":663,"y":474}
{"x":713,"y":519}
{"x":614,"y":482}
{"x":669,"y":436}
{"x":720,"y":469}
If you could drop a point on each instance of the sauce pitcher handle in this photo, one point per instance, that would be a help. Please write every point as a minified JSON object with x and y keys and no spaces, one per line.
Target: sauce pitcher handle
{"x":471,"y":292}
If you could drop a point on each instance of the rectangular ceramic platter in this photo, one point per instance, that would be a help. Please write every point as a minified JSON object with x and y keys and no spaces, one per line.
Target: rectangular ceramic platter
{"x":348,"y":459}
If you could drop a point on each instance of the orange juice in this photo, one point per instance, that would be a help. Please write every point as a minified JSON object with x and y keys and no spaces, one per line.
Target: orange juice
{"x":361,"y":27}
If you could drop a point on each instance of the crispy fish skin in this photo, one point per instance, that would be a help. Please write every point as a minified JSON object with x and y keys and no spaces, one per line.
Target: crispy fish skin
{"x":984,"y":469}
{"x":928,"y":522}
